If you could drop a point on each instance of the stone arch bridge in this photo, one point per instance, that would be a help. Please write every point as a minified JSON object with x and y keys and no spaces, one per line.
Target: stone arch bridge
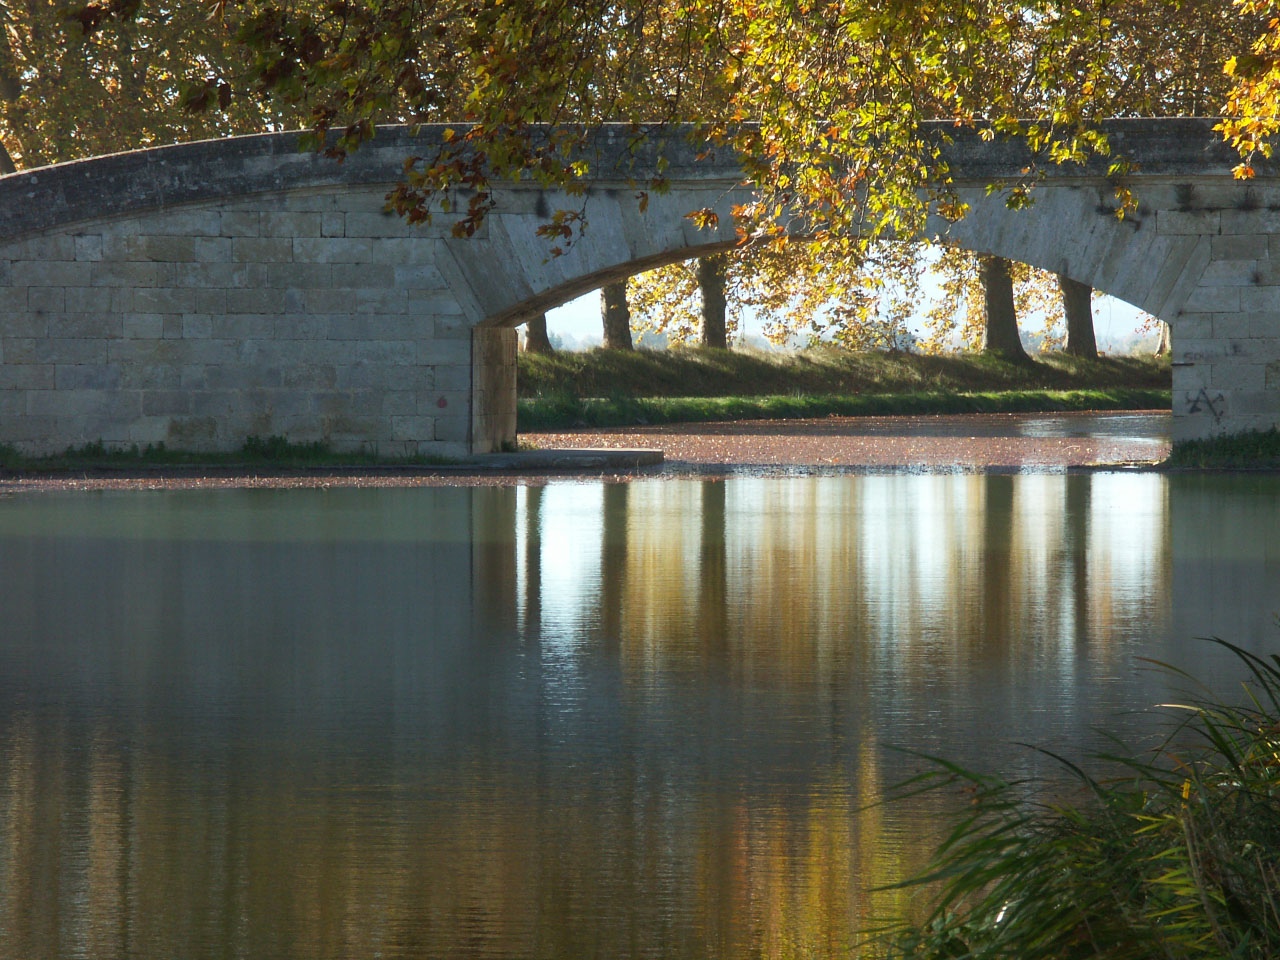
{"x":201,"y":293}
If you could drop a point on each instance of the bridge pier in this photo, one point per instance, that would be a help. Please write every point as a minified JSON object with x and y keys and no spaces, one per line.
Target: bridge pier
{"x":493,"y":389}
{"x":1225,"y":384}
{"x":1226,"y":335}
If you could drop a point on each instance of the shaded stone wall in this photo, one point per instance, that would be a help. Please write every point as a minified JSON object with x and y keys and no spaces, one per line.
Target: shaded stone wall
{"x":1226,"y":334}
{"x":310,"y":315}
{"x":493,"y":387}
{"x":201,"y":293}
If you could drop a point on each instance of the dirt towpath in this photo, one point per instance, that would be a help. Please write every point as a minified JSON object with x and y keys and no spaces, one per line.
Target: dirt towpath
{"x":967,"y":442}
{"x":961,"y":441}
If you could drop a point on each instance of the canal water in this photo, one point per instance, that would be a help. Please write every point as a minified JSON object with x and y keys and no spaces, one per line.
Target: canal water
{"x":568,"y":720}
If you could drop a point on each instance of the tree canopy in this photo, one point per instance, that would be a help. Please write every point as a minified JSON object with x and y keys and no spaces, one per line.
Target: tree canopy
{"x":796,"y":291}
{"x":117,"y":78}
{"x":824,"y":99}
{"x":1252,"y":110}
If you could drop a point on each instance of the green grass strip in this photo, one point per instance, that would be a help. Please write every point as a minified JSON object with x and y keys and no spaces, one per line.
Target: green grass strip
{"x":566,"y":411}
{"x":257,"y":452}
{"x":1254,"y":449}
{"x":819,"y":371}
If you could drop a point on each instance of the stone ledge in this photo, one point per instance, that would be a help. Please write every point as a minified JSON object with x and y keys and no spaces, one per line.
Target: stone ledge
{"x":604,"y":459}
{"x":585,"y":458}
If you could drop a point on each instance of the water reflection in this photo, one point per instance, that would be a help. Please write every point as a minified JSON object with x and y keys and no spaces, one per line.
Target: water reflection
{"x":573,"y":720}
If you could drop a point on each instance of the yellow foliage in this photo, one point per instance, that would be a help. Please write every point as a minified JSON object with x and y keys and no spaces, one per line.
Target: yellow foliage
{"x":1251,"y":115}
{"x":805,"y":291}
{"x":163,"y":75}
{"x":958,"y":318}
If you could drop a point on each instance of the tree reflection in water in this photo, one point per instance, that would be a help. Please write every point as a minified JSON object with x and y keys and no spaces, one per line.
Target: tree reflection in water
{"x":578,"y":719}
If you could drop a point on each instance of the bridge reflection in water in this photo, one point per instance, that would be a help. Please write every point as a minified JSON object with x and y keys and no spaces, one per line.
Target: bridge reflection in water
{"x":581,"y":719}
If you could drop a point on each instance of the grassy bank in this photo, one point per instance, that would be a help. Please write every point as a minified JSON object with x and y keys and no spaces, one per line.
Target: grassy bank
{"x":1177,"y":857}
{"x":274,"y":453}
{"x":566,"y":410}
{"x":1252,"y":450}
{"x":699,"y":372}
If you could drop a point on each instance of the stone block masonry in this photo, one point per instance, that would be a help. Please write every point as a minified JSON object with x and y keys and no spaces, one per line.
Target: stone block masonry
{"x":1227,"y":325}
{"x":199,"y":327}
{"x":493,"y":378}
{"x":199,"y":294}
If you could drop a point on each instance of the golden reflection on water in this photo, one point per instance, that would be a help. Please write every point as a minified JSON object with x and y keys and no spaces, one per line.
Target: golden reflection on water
{"x":938,"y":572}
{"x":572,"y":720}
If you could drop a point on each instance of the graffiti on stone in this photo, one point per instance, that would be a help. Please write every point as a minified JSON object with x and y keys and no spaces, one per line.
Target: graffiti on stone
{"x":1201,"y":402}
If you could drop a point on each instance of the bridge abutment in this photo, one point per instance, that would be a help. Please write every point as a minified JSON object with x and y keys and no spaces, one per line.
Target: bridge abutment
{"x":311,"y":316}
{"x":1226,"y":333}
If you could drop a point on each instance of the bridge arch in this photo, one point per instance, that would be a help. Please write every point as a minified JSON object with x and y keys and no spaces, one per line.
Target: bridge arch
{"x":201,"y":293}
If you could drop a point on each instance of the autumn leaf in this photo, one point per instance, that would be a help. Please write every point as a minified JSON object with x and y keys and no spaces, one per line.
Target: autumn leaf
{"x":704,"y":218}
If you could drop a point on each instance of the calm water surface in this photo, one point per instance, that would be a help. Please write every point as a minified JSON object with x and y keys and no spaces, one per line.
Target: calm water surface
{"x":564,"y":721}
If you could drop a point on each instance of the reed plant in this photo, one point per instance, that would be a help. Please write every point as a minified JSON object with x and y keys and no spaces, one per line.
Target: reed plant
{"x":1177,"y":856}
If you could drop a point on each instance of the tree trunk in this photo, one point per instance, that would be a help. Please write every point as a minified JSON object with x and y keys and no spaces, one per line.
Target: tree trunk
{"x":1000,"y":327}
{"x":1077,"y":303}
{"x":1165,"y":345}
{"x":616,"y":316}
{"x":535,"y":336}
{"x":711,"y":277}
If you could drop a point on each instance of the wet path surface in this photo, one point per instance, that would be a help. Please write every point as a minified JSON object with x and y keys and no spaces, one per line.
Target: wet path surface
{"x":990,"y":443}
{"x":959,"y":441}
